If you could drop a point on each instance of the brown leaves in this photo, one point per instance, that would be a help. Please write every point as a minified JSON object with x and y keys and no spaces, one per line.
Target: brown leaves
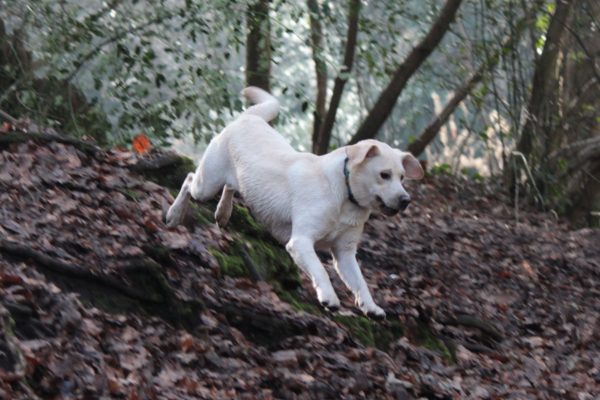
{"x":447,"y":256}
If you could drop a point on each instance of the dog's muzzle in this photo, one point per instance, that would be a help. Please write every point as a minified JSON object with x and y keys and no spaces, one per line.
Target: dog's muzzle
{"x":403,"y":202}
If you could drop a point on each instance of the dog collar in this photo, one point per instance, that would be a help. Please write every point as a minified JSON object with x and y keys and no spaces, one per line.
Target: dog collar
{"x":347,"y":179}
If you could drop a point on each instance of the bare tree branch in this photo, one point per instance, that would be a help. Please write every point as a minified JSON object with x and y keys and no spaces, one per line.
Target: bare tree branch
{"x":387,"y":99}
{"x":432,"y":129}
{"x":324,"y":135}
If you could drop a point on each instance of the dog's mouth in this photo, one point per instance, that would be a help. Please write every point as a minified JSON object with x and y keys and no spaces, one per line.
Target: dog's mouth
{"x":389,"y":211}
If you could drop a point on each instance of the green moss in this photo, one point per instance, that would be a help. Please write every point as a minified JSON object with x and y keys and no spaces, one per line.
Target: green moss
{"x":292,"y":298}
{"x":231,"y":265}
{"x":361,"y":328}
{"x":242,"y":221}
{"x":371,"y":333}
{"x":132,"y":195}
{"x":269,"y":258}
{"x":386,"y":332}
{"x":426,"y":338}
{"x":201,"y":215}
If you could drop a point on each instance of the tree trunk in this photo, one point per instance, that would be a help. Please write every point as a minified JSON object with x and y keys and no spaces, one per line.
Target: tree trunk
{"x":581,"y":115}
{"x":324,"y":136}
{"x":316,"y":36}
{"x":258,"y":45}
{"x":387,"y":99}
{"x":561,"y":136}
{"x":540,"y":107}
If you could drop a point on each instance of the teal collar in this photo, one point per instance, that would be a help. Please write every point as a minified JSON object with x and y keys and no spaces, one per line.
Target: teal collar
{"x":347,"y":179}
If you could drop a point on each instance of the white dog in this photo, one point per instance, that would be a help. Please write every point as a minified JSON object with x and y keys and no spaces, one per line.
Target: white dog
{"x":305,"y":201}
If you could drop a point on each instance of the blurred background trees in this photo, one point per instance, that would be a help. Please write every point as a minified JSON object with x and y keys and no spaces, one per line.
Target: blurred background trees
{"x":464,"y":84}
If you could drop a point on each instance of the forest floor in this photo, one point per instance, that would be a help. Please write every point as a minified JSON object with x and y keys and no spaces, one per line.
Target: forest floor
{"x":100,"y":300}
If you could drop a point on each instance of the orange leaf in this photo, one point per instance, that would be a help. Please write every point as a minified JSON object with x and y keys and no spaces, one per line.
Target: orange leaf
{"x":141,"y":143}
{"x":6,"y":127}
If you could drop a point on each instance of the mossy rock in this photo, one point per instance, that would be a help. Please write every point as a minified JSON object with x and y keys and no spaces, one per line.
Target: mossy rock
{"x":254,"y":251}
{"x":169,"y":170}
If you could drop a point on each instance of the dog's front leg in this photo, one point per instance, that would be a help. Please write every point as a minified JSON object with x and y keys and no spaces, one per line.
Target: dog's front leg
{"x":348,"y":269}
{"x":302,"y":250}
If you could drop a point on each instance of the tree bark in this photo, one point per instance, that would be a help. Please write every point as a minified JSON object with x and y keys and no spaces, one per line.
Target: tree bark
{"x":324,"y":136}
{"x":316,"y":36}
{"x":258,"y":45}
{"x":544,"y":81}
{"x":387,"y":99}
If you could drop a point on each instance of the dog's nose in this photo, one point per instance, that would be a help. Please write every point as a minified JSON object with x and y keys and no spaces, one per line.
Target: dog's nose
{"x":404,"y":202}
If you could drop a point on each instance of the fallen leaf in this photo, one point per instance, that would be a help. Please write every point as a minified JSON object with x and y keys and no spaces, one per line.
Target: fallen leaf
{"x":141,"y":144}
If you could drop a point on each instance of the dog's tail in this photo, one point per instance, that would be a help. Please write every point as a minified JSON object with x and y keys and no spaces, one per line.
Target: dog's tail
{"x":265,"y":105}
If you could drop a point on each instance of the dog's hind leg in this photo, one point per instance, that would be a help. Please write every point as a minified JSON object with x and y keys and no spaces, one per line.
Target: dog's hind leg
{"x":225,"y":206}
{"x":180,"y":206}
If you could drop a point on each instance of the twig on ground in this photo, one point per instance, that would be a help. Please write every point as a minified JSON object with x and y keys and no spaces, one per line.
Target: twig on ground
{"x":19,"y":137}
{"x":8,"y":117}
{"x":487,"y":328}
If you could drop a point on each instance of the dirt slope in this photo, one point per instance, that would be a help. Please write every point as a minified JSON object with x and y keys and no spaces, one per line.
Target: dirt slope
{"x":100,"y":299}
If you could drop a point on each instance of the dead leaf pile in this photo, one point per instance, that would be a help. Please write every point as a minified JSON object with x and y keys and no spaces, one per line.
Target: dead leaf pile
{"x":99,"y":299}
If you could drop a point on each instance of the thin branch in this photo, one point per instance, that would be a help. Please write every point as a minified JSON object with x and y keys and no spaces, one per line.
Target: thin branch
{"x":430,"y":132}
{"x":387,"y":99}
{"x":324,"y":136}
{"x":8,"y":117}
{"x":19,"y":137}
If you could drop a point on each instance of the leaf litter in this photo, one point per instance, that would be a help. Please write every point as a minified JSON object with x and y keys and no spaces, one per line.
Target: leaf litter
{"x":489,"y":309}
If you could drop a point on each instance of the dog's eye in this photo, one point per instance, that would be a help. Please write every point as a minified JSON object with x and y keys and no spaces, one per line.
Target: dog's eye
{"x":385,"y":175}
{"x":402,"y":177}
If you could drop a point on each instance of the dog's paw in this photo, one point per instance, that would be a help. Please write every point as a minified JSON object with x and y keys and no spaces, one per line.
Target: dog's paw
{"x":328,"y":299}
{"x":222,"y":217}
{"x":173,"y":218}
{"x":373,"y":311}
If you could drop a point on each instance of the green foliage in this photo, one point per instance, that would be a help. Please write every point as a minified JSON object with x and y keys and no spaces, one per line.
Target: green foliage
{"x":472,"y":174}
{"x":145,"y":67}
{"x":174,"y":69}
{"x":441,"y":169}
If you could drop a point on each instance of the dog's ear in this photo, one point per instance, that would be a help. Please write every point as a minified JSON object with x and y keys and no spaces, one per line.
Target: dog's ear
{"x":359,"y":152}
{"x":412,"y":166}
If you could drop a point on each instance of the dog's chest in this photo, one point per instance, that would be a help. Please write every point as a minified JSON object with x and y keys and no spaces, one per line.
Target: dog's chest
{"x":351,"y":219}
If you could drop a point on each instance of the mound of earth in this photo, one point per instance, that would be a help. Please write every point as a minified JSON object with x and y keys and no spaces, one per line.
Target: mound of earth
{"x":100,"y":299}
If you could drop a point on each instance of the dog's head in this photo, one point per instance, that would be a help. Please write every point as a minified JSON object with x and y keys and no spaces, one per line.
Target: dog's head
{"x":377,"y":172}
